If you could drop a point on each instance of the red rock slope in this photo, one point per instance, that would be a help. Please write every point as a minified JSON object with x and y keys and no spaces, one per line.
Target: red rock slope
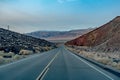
{"x":108,"y":34}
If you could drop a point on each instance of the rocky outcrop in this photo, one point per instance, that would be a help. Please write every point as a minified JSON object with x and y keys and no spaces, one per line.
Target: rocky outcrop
{"x":14,"y":42}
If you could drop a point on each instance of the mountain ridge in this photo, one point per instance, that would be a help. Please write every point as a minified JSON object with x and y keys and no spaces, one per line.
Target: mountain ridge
{"x":59,"y":35}
{"x":108,"y":34}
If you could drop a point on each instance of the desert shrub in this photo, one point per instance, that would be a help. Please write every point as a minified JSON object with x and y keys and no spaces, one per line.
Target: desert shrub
{"x":1,"y":60}
{"x":118,"y":66}
{"x":17,"y":57}
{"x":25,"y":52}
{"x":114,"y":64}
{"x":104,"y":60}
{"x":46,"y":48}
{"x":41,"y":49}
{"x":7,"y":55}
{"x":1,"y":53}
{"x":37,"y":49}
{"x":8,"y":60}
{"x":89,"y":55}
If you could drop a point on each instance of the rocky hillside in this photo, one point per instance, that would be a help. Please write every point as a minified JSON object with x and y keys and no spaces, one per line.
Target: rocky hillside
{"x":59,"y":35}
{"x":14,"y":42}
{"x":106,"y":37}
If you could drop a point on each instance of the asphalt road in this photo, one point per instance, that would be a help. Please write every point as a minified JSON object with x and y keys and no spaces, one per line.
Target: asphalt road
{"x":57,"y":64}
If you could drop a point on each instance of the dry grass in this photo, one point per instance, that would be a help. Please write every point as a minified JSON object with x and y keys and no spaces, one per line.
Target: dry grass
{"x":104,"y":58}
{"x":17,"y":57}
{"x":25,"y":52}
{"x":1,"y":60}
{"x":41,"y":49}
{"x":9,"y":57}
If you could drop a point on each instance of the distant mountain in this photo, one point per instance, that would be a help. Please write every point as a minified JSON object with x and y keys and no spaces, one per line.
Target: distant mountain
{"x":59,"y":35}
{"x":14,"y":42}
{"x":106,"y":37}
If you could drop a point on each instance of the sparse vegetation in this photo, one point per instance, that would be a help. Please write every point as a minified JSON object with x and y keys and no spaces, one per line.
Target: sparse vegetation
{"x":109,"y":59}
{"x":9,"y":57}
{"x":15,"y":46}
{"x":17,"y":57}
{"x":1,"y":60}
{"x":25,"y":52}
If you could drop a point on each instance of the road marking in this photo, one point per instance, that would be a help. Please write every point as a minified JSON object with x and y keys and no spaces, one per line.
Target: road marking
{"x":93,"y":67}
{"x":24,"y":59}
{"x":45,"y":70}
{"x":41,"y":78}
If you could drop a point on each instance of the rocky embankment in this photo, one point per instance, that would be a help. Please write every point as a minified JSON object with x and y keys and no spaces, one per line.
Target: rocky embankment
{"x":14,"y":46}
{"x":14,"y":42}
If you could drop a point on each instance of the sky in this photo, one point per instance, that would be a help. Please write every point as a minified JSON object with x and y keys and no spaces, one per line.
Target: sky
{"x":57,"y":15}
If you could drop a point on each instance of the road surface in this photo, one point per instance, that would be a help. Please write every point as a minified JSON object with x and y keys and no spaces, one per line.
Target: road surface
{"x":57,"y":64}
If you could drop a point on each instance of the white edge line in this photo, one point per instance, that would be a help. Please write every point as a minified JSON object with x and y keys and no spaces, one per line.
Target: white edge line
{"x":20,"y":60}
{"x":24,"y":59}
{"x":93,"y":67}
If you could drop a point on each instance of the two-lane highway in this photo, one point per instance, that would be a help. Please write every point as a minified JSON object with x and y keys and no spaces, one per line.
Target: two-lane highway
{"x":27,"y":69}
{"x":58,"y":64}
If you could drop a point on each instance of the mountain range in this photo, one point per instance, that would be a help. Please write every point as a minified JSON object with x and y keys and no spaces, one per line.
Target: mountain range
{"x":59,"y":35}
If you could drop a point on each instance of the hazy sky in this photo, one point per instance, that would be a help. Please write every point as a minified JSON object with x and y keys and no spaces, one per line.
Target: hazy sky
{"x":31,"y":15}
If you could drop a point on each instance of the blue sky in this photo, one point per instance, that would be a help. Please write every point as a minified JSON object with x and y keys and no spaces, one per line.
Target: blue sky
{"x":59,"y":15}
